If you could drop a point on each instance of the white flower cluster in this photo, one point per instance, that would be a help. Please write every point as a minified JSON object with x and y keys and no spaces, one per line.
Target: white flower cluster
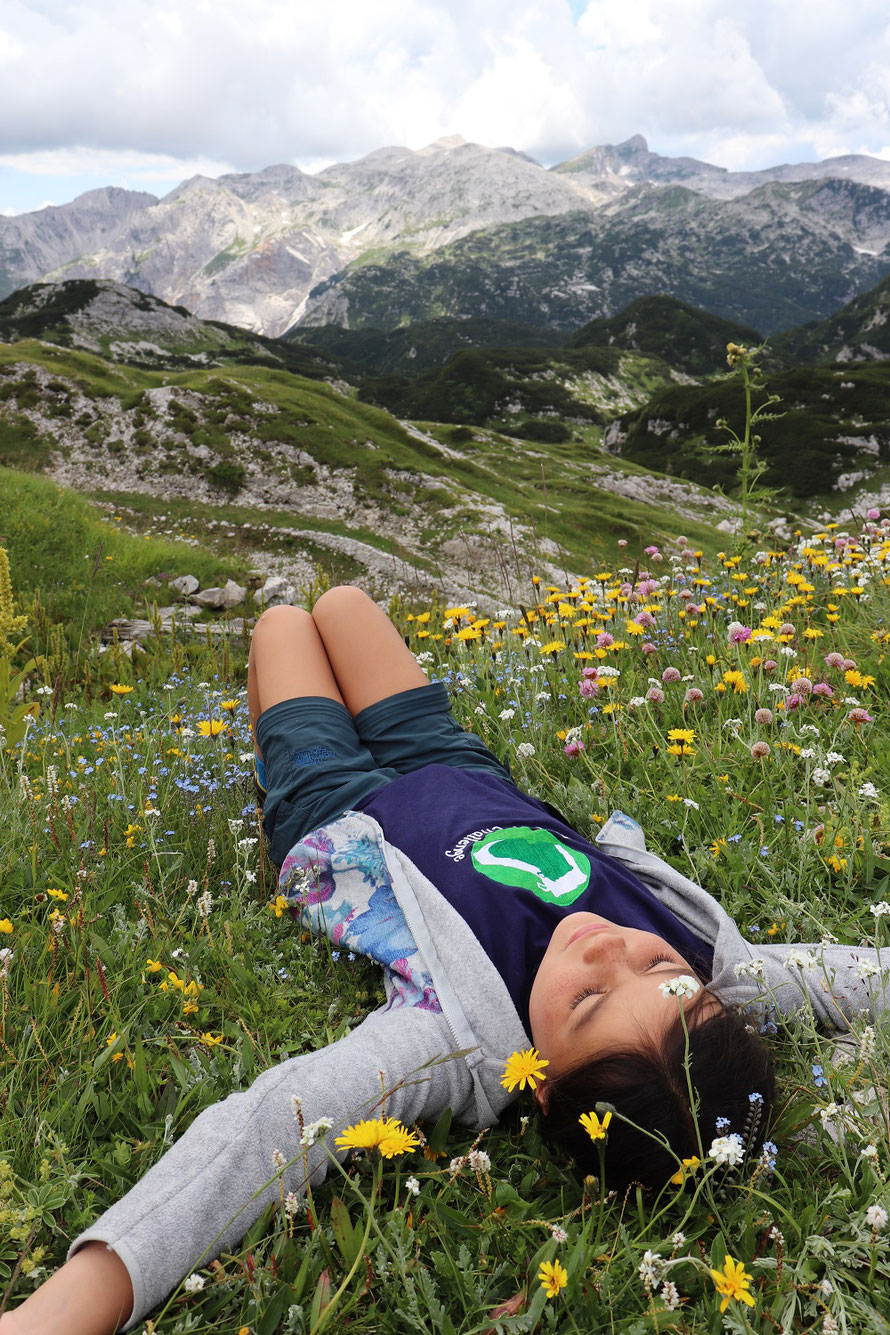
{"x":800,"y":959}
{"x":193,"y":1283}
{"x":507,"y":714}
{"x":881,"y":909}
{"x":651,"y":1270}
{"x":820,"y":777}
{"x":729,"y":1150}
{"x":314,"y":1132}
{"x":204,"y":903}
{"x":684,"y":985}
{"x":876,"y":1218}
{"x":868,"y":791}
{"x":608,"y":671}
{"x":752,"y":968}
{"x":525,"y":749}
{"x":835,"y":758}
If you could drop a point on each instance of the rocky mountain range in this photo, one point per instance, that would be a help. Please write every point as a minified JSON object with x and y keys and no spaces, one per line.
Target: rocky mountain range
{"x":462,"y":230}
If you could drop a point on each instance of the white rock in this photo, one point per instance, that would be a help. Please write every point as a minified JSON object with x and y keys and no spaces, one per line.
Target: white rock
{"x":274,"y":592}
{"x":185,"y":585}
{"x":229,"y":596}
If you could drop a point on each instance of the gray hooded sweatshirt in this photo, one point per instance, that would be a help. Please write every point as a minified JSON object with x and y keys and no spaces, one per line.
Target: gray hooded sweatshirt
{"x":215,"y":1181}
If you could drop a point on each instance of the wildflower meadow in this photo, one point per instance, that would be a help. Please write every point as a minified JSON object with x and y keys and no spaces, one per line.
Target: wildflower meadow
{"x":734,"y":704}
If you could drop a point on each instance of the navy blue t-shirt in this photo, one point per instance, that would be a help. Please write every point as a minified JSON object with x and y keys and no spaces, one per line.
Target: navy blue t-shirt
{"x":513,"y":870}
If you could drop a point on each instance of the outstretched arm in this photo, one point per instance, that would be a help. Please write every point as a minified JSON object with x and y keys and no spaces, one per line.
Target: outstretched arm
{"x":220,"y":1175}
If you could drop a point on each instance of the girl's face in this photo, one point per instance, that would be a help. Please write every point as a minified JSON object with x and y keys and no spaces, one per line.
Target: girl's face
{"x":597,"y":990}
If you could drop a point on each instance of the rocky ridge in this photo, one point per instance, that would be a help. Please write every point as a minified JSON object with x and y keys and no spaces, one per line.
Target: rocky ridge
{"x":251,"y":248}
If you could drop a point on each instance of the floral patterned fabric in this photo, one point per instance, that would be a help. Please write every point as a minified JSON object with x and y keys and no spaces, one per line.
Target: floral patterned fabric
{"x":346,"y":895}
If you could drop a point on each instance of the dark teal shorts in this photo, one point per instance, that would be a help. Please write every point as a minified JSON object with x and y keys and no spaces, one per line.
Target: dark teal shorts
{"x":319,"y":761}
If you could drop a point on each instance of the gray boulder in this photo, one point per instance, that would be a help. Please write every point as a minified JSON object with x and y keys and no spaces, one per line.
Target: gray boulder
{"x":275,"y":591}
{"x":185,"y":584}
{"x":221,"y":599}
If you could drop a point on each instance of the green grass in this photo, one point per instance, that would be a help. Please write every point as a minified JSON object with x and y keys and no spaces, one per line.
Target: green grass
{"x":108,"y":1066}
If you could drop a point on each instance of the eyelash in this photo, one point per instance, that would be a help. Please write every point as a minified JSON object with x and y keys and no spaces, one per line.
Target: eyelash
{"x":598,"y":991}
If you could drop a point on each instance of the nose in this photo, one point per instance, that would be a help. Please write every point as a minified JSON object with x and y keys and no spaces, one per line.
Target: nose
{"x":602,"y":947}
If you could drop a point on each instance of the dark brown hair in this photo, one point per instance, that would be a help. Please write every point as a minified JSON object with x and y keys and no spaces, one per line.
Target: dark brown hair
{"x":727,"y":1064}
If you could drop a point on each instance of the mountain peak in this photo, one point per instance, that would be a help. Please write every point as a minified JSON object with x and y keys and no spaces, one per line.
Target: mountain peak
{"x":447,"y":142}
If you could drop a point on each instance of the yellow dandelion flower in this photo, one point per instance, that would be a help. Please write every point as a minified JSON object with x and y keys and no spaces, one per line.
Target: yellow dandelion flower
{"x":595,"y":1127}
{"x":733,"y":1282}
{"x":681,"y":735}
{"x":229,"y":705}
{"x":118,"y":689}
{"x":634,"y":628}
{"x":736,"y":680}
{"x":522,"y":1067}
{"x":5,"y":926}
{"x":553,"y":1277}
{"x":687,"y":1167}
{"x":719,"y":846}
{"x":552,"y":647}
{"x":210,"y":727}
{"x":680,"y":749}
{"x":468,"y":633}
{"x":385,"y":1134}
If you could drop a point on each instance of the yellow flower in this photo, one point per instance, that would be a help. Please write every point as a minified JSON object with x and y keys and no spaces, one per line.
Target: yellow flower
{"x":681,"y":735}
{"x":228,"y":704}
{"x":210,"y":1040}
{"x":154,"y":966}
{"x":385,"y":1134}
{"x":190,"y":1008}
{"x":210,"y":727}
{"x":5,"y":926}
{"x":121,"y":690}
{"x":687,"y":1167}
{"x":736,"y":680}
{"x":595,"y":1128}
{"x":680,"y":749}
{"x":57,"y":894}
{"x":521,"y":1067}
{"x":553,"y":647}
{"x":634,"y":628}
{"x":553,"y":1277}
{"x":468,"y":633}
{"x":733,"y":1281}
{"x":279,"y":906}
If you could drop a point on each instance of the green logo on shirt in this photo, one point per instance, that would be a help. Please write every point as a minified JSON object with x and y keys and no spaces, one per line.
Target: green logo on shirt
{"x":533,"y":860}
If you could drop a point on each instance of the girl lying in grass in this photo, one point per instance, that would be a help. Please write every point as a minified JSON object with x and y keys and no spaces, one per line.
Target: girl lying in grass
{"x":607,"y":975}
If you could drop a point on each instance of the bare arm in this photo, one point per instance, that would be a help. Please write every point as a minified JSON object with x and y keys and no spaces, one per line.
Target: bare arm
{"x":90,"y":1295}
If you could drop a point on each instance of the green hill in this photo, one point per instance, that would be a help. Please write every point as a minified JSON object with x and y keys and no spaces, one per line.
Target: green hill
{"x":834,"y":421}
{"x":858,"y":332}
{"x":687,"y":338}
{"x":417,"y":347}
{"x":125,"y":325}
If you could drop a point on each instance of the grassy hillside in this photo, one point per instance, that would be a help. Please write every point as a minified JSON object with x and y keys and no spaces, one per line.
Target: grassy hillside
{"x":270,"y":441}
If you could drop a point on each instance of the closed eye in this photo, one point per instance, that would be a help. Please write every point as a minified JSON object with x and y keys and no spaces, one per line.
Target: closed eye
{"x":660,"y":959}
{"x":587,"y":992}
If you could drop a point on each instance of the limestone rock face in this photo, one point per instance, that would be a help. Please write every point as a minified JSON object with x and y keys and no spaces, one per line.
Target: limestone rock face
{"x":250,"y":248}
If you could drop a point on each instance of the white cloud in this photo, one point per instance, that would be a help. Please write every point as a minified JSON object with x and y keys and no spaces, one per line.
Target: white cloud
{"x":179,"y":86}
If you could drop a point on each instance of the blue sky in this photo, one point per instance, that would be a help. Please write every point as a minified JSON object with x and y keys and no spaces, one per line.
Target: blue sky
{"x":144,"y":93}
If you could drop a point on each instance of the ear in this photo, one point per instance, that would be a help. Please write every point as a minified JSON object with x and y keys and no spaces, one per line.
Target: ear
{"x":542,"y":1097}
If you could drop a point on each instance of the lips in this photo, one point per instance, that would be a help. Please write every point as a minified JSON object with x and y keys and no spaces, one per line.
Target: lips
{"x":587,"y":931}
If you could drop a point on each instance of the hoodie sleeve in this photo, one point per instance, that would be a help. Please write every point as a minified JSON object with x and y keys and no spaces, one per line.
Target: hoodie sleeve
{"x":215,"y":1181}
{"x":835,"y":982}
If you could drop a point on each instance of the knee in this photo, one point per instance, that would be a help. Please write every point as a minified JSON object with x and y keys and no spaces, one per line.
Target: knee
{"x":340,"y":601}
{"x":276,"y":622}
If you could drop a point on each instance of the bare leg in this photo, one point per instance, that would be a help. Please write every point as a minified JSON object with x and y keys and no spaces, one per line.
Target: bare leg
{"x":287,"y":659}
{"x":369,"y":658}
{"x":90,"y":1295}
